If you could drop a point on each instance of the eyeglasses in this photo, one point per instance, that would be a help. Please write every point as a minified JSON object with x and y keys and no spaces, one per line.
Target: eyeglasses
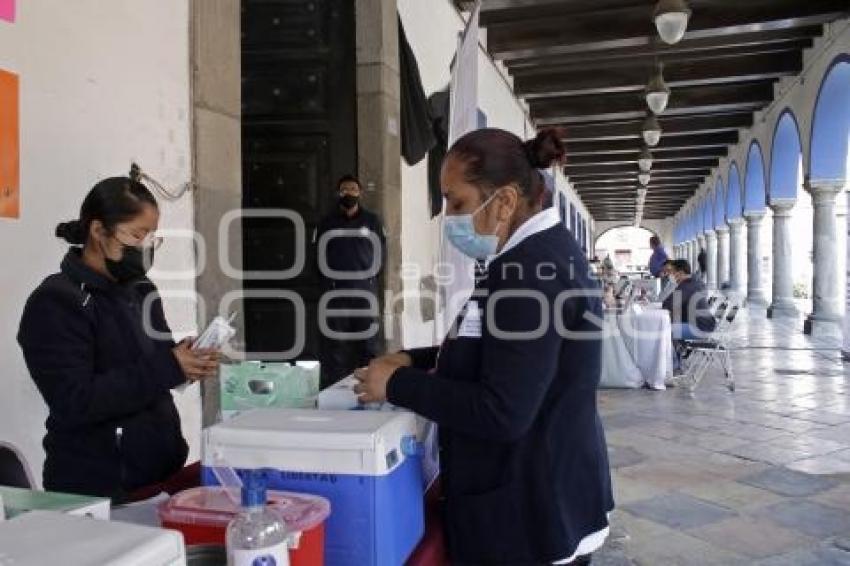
{"x":151,"y":240}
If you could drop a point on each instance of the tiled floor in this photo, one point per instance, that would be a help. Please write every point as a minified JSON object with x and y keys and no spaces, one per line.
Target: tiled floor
{"x":759,"y":476}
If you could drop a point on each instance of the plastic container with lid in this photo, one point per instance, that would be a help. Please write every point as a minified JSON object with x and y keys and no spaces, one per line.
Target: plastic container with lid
{"x":203,"y":513}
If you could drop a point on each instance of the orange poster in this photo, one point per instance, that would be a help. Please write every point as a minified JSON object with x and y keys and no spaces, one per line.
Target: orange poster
{"x":10,"y":205}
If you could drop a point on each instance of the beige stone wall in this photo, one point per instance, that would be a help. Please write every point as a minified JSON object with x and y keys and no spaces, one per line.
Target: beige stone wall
{"x":216,"y":153}
{"x":378,"y":142}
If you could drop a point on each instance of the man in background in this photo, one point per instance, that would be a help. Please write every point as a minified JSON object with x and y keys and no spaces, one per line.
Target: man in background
{"x":351,"y":253}
{"x":702,"y":262}
{"x":658,"y":257}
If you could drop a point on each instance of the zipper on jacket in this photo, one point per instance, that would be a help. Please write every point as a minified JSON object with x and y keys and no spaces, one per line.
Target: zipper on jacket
{"x":119,"y":437}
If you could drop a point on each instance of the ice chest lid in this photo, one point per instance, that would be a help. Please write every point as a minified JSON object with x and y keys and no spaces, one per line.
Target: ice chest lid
{"x":212,"y":506}
{"x":344,"y":429}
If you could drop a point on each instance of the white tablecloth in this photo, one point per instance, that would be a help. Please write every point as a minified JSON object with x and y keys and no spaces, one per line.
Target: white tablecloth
{"x":618,"y":366}
{"x":647,"y":336}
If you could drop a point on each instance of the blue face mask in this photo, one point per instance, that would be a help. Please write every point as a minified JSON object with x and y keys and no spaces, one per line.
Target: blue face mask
{"x":460,"y":231}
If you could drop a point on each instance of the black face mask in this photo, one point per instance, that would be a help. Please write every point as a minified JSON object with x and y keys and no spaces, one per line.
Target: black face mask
{"x":134,"y":264}
{"x":348,"y":201}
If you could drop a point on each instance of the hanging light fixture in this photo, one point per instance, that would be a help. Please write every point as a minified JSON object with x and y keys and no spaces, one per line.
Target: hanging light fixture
{"x":651,"y":130}
{"x":643,"y":179}
{"x":645,"y":160}
{"x":657,"y":92}
{"x":671,"y":20}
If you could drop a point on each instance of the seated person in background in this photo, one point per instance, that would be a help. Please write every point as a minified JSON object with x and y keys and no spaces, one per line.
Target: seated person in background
{"x":668,"y":284}
{"x":688,"y":305}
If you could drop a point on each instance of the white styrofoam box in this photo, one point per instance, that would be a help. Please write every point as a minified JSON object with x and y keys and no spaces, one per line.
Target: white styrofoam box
{"x":306,"y":440}
{"x":339,"y":396}
{"x":44,"y":537}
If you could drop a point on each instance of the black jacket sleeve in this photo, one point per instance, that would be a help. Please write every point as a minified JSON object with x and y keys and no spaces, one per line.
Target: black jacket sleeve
{"x":515,"y":372}
{"x":423,"y":358}
{"x":58,"y":341}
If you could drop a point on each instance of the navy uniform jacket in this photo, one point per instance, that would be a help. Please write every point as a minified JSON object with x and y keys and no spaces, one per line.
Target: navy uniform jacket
{"x":113,"y":426}
{"x":355,"y":252}
{"x":523,"y":458}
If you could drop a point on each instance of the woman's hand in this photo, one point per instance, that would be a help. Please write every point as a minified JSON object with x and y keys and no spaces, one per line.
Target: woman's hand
{"x":196,"y":364}
{"x":374,"y":378}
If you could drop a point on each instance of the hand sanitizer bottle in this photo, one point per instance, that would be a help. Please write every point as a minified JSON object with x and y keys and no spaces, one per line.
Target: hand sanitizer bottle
{"x":256,"y":537}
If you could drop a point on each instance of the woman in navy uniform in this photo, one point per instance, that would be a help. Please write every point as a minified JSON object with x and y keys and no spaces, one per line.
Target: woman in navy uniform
{"x":524,"y":467}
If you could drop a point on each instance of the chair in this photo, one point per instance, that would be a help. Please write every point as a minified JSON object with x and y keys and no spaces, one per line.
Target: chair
{"x":14,"y":471}
{"x":700,"y":354}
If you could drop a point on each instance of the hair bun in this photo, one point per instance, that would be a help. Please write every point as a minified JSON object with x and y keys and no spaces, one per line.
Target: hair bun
{"x":547,"y":148}
{"x":71,"y":232}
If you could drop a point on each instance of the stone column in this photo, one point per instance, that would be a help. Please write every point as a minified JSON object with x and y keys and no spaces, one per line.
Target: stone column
{"x":216,"y":55}
{"x":711,"y":259}
{"x":755,"y":291}
{"x":693,"y":248}
{"x":825,"y":281}
{"x":783,"y":283}
{"x":378,"y":143}
{"x":722,"y":255}
{"x":737,"y":256}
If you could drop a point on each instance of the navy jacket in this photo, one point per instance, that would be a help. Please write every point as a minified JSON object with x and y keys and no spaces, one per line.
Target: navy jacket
{"x":688,"y":304}
{"x":113,"y":426}
{"x":355,"y":252}
{"x":523,"y":458}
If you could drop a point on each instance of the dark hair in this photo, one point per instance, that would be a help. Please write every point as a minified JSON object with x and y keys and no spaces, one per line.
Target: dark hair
{"x":654,"y":241}
{"x":682,"y":266}
{"x":111,"y":201}
{"x":495,"y":158}
{"x":348,"y":179}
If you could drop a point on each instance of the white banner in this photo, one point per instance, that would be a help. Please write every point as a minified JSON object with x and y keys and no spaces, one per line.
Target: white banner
{"x":455,"y":276}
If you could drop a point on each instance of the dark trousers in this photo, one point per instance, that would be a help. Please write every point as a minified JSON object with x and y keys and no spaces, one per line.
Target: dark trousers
{"x":340,"y":355}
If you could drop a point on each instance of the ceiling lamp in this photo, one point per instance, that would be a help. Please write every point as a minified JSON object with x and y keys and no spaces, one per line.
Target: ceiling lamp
{"x":645,"y":160}
{"x":643,"y":179}
{"x":651,"y":130}
{"x":671,"y":19}
{"x":657,"y":92}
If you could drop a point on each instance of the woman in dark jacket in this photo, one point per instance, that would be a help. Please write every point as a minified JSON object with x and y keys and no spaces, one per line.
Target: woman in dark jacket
{"x":524,"y":467}
{"x":98,"y":347}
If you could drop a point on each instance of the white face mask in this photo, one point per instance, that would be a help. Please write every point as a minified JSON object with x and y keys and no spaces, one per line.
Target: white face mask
{"x":460,"y":231}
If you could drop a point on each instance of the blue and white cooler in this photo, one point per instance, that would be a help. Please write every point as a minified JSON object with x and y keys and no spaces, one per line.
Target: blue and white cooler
{"x":366,"y":463}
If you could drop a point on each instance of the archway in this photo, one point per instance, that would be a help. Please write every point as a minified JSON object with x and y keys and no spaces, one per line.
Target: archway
{"x":734,"y":194}
{"x":737,"y":233}
{"x":786,"y":182}
{"x":829,"y":161}
{"x":829,"y":155}
{"x":755,"y":201}
{"x":721,"y":251}
{"x":627,"y":246}
{"x":719,"y":203}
